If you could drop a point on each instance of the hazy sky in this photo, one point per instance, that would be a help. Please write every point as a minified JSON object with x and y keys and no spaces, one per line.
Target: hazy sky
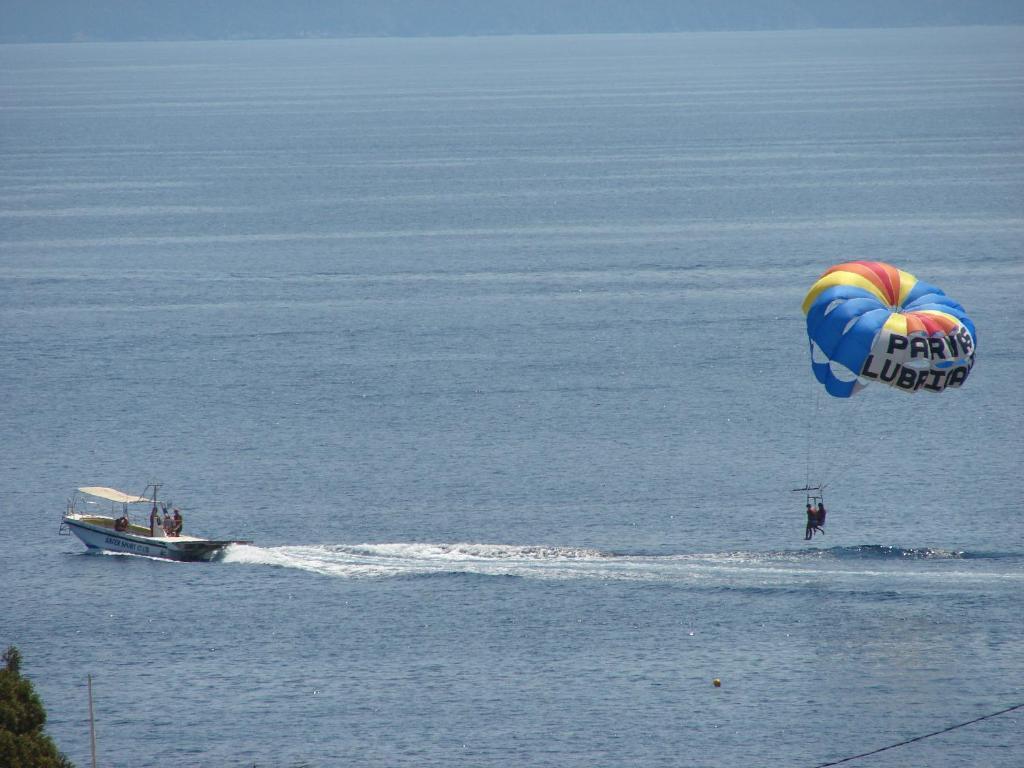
{"x":68,"y":20}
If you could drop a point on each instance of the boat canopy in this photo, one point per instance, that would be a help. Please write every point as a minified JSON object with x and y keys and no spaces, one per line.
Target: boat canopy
{"x":112,"y":494}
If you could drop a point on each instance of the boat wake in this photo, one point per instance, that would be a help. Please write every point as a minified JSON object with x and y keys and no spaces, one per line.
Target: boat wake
{"x":413,"y":559}
{"x":565,"y":563}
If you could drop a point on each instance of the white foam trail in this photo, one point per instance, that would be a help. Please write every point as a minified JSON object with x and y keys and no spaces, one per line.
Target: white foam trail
{"x":726,"y":569}
{"x":398,"y":559}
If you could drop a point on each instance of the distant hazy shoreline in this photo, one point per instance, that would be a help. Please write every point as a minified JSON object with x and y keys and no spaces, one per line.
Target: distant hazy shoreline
{"x":40,"y":21}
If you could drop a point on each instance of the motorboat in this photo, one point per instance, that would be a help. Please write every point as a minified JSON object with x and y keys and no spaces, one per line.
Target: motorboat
{"x":119,"y":533}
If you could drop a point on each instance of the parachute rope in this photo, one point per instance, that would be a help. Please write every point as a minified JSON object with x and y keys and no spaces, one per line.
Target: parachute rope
{"x":920,"y":738}
{"x":811,"y":419}
{"x":827,"y":463}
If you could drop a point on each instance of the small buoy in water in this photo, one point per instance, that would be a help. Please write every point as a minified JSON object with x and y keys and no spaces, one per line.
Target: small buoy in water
{"x":717,"y":683}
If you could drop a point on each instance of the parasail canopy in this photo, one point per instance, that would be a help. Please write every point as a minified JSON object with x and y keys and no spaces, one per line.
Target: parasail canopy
{"x":870,"y":322}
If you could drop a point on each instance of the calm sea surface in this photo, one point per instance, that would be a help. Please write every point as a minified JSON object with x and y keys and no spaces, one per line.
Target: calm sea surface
{"x":494,"y":349}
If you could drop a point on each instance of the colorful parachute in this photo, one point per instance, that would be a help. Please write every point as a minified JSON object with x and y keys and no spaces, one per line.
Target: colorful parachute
{"x":868,"y":321}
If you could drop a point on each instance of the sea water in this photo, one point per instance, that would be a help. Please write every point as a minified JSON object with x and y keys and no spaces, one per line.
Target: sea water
{"x":493,"y":348}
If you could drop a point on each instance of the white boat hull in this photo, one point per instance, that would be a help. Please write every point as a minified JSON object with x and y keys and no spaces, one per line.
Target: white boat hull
{"x":98,"y":533}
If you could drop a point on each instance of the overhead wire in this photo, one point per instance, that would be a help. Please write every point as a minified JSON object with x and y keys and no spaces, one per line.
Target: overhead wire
{"x":919,"y":738}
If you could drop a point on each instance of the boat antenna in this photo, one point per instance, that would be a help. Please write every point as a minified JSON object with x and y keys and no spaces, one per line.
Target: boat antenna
{"x":92,"y":725}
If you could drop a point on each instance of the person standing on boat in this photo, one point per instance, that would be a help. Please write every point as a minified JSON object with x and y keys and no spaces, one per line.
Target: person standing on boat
{"x":156,"y":525}
{"x":179,"y":523}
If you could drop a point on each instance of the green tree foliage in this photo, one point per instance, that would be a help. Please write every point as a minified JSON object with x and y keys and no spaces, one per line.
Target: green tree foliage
{"x":22,"y":717}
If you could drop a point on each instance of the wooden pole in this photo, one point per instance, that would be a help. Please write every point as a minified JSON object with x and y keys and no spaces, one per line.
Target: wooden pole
{"x":92,"y":725}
